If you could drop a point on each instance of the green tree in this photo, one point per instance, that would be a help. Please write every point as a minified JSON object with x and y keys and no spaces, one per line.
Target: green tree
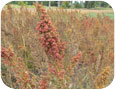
{"x":94,"y":4}
{"x":104,"y":4}
{"x":65,"y":4}
{"x":77,"y":5}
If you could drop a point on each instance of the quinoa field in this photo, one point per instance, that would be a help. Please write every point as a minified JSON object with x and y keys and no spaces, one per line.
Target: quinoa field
{"x":56,"y":48}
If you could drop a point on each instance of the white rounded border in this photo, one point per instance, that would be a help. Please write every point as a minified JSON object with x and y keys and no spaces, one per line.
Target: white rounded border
{"x":110,"y":2}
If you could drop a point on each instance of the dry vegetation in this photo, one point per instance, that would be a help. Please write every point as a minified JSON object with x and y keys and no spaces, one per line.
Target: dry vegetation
{"x":89,"y":49}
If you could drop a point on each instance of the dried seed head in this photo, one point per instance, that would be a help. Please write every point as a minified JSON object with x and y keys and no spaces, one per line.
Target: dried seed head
{"x":101,"y":80}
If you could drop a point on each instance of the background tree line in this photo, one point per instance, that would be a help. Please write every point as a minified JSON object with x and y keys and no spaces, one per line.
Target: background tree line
{"x":67,"y":4}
